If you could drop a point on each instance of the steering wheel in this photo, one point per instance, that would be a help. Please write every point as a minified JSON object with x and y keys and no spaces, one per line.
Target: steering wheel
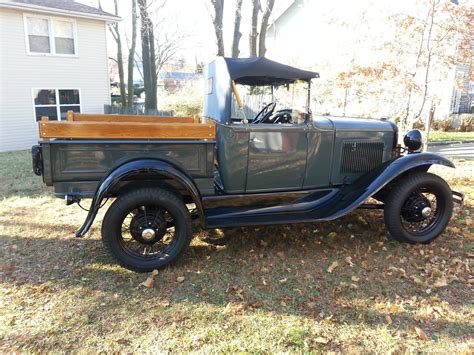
{"x":264,"y":113}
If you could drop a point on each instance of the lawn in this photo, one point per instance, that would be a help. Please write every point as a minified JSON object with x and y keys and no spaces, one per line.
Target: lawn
{"x":341,"y":286}
{"x":450,"y":136}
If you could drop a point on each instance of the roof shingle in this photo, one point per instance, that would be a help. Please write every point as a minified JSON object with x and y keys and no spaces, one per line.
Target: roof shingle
{"x":66,"y":5}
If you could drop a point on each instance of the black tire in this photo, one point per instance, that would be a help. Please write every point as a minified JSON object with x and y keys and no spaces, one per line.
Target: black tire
{"x":130,"y":205}
{"x":407,"y":199}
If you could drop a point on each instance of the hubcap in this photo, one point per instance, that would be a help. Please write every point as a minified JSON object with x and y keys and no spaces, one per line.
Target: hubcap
{"x":426,"y":212}
{"x":148,"y":234}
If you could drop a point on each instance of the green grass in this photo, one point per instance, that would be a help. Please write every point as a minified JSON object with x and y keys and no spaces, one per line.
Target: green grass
{"x":265,"y":289}
{"x":450,"y":136}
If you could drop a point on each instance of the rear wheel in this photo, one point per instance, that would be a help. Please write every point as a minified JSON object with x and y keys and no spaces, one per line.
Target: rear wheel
{"x":147,"y":229}
{"x":418,"y":208}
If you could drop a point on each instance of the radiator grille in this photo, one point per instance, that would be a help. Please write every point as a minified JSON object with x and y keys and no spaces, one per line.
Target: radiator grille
{"x":361,"y":157}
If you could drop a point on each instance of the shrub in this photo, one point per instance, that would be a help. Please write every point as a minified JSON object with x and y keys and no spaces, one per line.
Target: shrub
{"x":419,"y":125}
{"x":186,"y":101}
{"x":467,"y":124}
{"x":445,"y":125}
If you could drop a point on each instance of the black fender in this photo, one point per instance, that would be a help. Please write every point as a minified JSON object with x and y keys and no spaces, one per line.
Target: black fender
{"x":140,"y":167}
{"x":353,"y":195}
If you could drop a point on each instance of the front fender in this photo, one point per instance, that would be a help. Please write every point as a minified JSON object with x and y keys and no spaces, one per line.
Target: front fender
{"x":352,"y":196}
{"x":141,"y":167}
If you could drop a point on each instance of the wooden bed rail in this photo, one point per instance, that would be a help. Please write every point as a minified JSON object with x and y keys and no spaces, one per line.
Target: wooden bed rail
{"x":87,"y":117}
{"x":125,"y":130}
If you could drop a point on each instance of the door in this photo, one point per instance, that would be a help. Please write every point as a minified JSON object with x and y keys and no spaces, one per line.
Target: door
{"x":277,"y":157}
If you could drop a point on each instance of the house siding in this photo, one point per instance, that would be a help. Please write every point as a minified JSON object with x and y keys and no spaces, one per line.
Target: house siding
{"x":20,"y":73}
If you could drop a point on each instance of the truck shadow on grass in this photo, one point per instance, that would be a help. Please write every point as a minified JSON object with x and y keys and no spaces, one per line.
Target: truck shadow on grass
{"x":341,"y":273}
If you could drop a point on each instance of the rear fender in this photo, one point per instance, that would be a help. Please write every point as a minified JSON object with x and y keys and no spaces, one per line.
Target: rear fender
{"x":132,"y":169}
{"x":372,"y":182}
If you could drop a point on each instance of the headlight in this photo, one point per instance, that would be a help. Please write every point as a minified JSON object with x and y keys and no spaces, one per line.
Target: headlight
{"x":413,"y":140}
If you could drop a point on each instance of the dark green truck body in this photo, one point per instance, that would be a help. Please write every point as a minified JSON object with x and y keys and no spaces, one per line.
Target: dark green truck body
{"x":248,"y":158}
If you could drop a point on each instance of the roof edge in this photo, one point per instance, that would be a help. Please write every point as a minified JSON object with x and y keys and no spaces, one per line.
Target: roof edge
{"x":51,"y":10}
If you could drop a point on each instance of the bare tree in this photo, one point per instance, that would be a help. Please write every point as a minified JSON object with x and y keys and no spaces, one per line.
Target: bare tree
{"x":263,"y":28}
{"x":217,"y":20}
{"x":253,"y":28}
{"x":114,"y":30}
{"x":131,"y":54}
{"x":168,"y":43}
{"x":237,"y":33}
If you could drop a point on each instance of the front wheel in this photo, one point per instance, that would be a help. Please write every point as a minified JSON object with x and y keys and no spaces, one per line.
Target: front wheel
{"x":418,"y":208}
{"x":147,"y":229}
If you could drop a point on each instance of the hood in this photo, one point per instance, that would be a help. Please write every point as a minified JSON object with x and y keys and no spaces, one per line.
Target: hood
{"x":361,"y":124}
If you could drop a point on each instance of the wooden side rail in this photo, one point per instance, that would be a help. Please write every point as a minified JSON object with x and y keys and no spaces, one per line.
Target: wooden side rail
{"x":126,"y":130}
{"x":86,"y":117}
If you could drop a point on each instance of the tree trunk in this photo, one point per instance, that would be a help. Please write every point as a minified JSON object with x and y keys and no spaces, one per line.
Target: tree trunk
{"x":114,"y":29}
{"x":154,"y":75}
{"x":148,"y":74}
{"x":131,"y":55}
{"x":217,"y":21}
{"x":263,"y":28}
{"x":253,"y":29}
{"x":123,"y":96}
{"x":428,"y":62}
{"x":405,"y":120}
{"x":237,"y":33}
{"x":428,"y":126}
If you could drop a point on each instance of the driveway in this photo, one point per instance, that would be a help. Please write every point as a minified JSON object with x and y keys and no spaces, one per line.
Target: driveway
{"x":454,"y":150}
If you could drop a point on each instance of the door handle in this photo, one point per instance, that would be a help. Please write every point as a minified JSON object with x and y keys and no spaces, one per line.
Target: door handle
{"x":255,"y":140}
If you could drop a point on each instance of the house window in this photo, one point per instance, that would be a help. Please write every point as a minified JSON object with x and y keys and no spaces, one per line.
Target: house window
{"x":51,"y":36}
{"x":55,"y":103}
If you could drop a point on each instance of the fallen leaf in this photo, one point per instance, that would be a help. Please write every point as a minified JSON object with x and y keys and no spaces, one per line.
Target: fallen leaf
{"x":283,"y":281}
{"x":164,"y":303}
{"x":442,"y":282}
{"x":321,"y":340}
{"x":455,"y":230}
{"x":365,"y":264}
{"x":148,"y":283}
{"x":349,"y":261}
{"x":388,"y":319}
{"x":355,"y":278}
{"x":421,"y":334}
{"x":257,"y":304}
{"x":332,"y":235}
{"x":180,"y":279}
{"x":331,"y":268}
{"x":155,"y":272}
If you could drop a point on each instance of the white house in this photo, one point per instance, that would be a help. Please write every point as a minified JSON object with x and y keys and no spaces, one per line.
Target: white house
{"x":53,"y":58}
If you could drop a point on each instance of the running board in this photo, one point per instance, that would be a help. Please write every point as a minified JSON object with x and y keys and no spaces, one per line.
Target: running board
{"x":316,"y":205}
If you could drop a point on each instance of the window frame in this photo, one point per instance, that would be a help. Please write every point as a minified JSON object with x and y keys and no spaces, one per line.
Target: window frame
{"x":52,"y":42}
{"x":58,"y":104}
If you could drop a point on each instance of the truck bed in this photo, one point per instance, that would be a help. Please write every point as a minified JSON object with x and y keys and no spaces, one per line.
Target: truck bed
{"x":76,"y":154}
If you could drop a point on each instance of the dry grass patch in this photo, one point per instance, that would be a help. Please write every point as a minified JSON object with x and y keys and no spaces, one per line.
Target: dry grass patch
{"x":247,"y":289}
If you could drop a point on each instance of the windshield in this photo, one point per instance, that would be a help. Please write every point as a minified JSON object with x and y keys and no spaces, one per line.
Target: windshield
{"x":292,"y":97}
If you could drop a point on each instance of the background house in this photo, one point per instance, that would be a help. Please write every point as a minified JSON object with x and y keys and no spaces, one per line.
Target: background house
{"x":338,"y":39}
{"x":53,"y":58}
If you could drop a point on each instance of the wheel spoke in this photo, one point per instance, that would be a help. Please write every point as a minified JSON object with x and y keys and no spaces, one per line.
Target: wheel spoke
{"x":148,"y":231}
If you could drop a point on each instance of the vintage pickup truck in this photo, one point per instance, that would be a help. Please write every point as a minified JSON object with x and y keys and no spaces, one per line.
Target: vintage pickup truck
{"x":226,"y":169}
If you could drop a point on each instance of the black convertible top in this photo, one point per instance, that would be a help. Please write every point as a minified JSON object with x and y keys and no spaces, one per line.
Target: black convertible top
{"x":262,"y":71}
